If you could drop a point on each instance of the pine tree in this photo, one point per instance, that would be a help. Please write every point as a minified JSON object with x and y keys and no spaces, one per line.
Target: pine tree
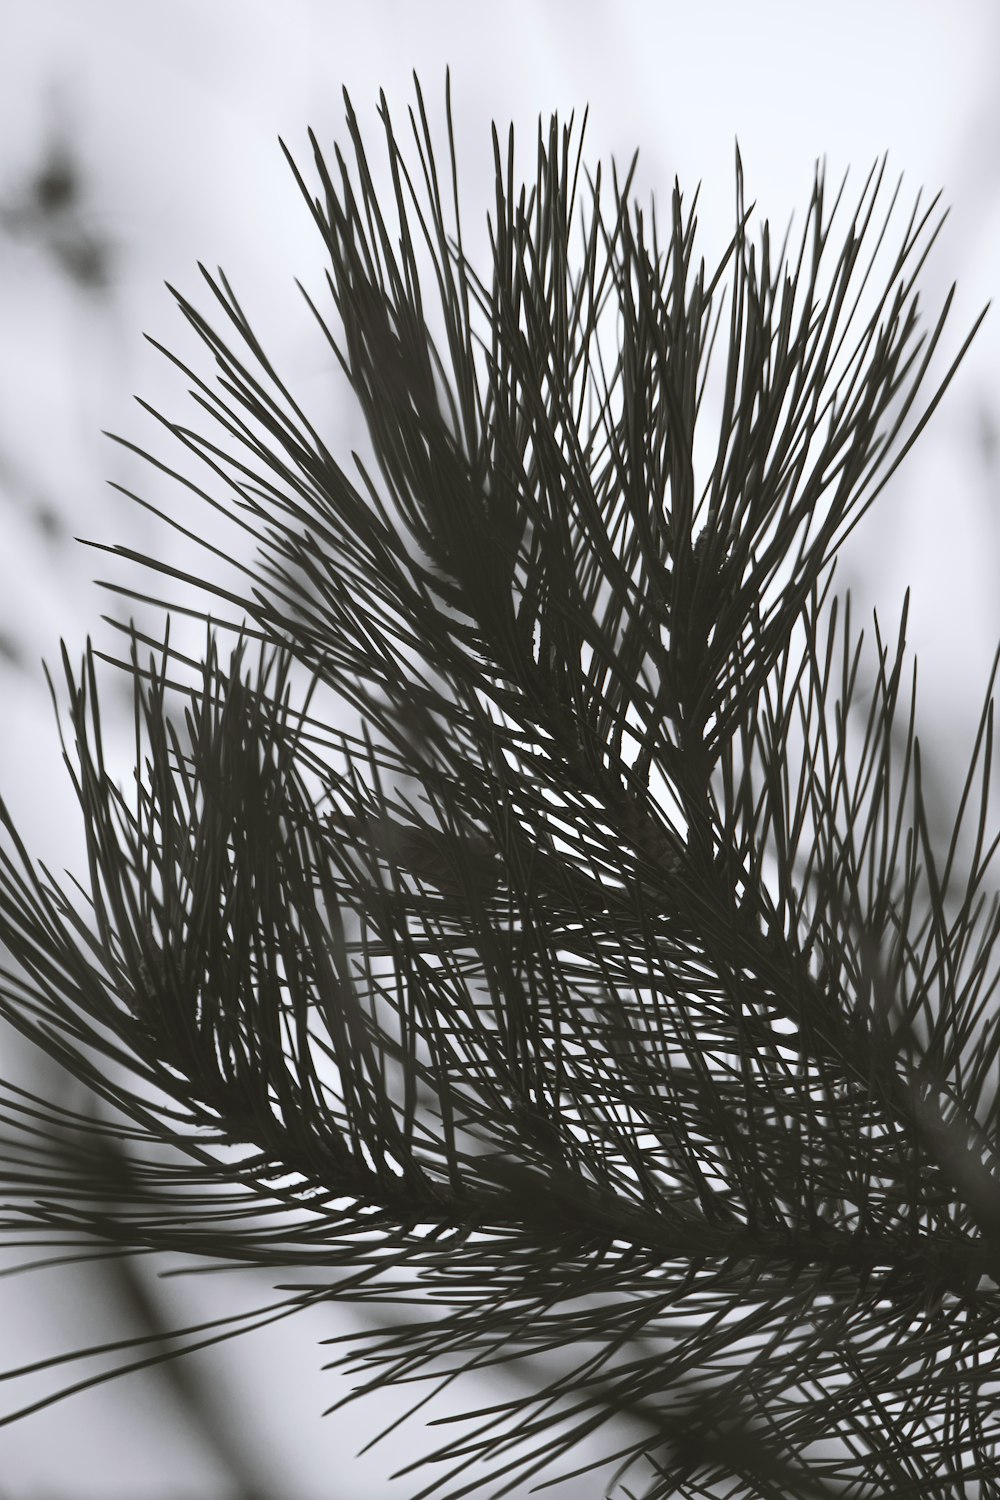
{"x":605,"y":996}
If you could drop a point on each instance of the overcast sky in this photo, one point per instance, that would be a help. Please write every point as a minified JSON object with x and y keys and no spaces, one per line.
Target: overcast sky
{"x":171,"y":111}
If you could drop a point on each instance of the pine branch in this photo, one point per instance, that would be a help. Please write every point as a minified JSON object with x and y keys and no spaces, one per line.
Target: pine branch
{"x":606,"y":996}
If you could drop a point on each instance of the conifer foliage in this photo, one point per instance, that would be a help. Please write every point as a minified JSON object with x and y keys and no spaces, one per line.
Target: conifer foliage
{"x":527,"y":916}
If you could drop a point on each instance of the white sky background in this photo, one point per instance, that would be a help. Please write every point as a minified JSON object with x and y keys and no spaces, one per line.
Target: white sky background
{"x":173,"y":108}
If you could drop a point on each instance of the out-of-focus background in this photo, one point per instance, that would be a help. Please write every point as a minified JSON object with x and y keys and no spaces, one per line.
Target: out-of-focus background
{"x":137,"y":139}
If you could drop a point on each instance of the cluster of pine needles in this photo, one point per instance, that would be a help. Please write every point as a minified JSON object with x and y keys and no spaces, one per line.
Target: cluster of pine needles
{"x":527,"y":917}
